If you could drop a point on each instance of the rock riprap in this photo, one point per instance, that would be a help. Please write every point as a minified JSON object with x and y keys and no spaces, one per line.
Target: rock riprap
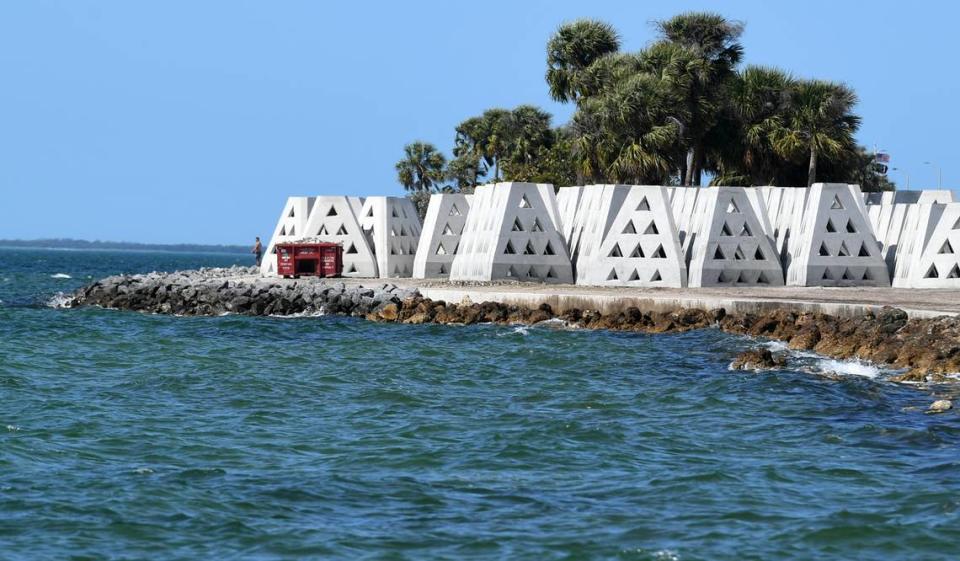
{"x":237,"y":290}
{"x":926,"y":349}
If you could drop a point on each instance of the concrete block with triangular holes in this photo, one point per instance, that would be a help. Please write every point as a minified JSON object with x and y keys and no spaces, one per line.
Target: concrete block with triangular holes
{"x":512,"y":232}
{"x":835,"y":244}
{"x":598,"y":206}
{"x":635,"y":242}
{"x":728,"y":244}
{"x":290,"y":227}
{"x":931,"y":253}
{"x":440,"y":239}
{"x":784,"y":208}
{"x":392,"y":227}
{"x":334,"y":219}
{"x":568,"y":202}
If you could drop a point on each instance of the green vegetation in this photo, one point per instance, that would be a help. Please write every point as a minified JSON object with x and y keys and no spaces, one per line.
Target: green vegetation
{"x":678,"y":110}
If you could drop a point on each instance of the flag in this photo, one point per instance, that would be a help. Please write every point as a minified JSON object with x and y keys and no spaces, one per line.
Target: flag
{"x":882,"y":157}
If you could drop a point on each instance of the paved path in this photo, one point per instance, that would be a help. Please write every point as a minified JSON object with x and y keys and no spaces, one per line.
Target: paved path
{"x":837,"y":301}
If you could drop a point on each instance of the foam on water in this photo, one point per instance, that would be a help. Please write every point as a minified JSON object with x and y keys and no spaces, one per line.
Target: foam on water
{"x":849,"y":368}
{"x":60,"y":300}
{"x":60,"y":276}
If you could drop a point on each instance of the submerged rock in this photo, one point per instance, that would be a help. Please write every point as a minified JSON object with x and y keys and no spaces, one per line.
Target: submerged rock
{"x":940,"y":406}
{"x":757,"y":359}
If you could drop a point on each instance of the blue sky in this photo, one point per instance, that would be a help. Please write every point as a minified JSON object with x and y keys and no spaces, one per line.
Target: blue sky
{"x":185,"y":121}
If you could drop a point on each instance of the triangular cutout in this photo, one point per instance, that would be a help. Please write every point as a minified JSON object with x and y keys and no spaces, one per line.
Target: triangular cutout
{"x":528,"y":250}
{"x":724,"y":277}
{"x":946,"y":248}
{"x":867,"y":275}
{"x":830,"y":227}
{"x":511,"y":272}
{"x":629,"y":228}
{"x":536,"y":226}
{"x":342,"y":231}
{"x":293,"y":231}
{"x":824,"y":252}
{"x":441,"y":250}
{"x":652,"y":229}
{"x":732,"y":208}
{"x":333,"y":211}
{"x":659,"y":253}
{"x":370,"y":212}
{"x":762,"y":279}
{"x":844,"y":252}
{"x":725,"y":231}
{"x":956,"y":225}
{"x":846,"y":275}
{"x":758,"y":255}
{"x":637,"y":252}
{"x":738,"y":254}
{"x":745,"y":231}
{"x":283,"y":230}
{"x":826,"y":274}
{"x":323,"y":230}
{"x":524,"y":203}
{"x":352,"y":268}
{"x":551,"y":274}
{"x":932,"y":272}
{"x":403,"y":230}
{"x":509,"y":250}
{"x":954,"y":272}
{"x":864,"y":252}
{"x":634,"y":276}
{"x":837,"y":205}
{"x":644,"y":205}
{"x":443,"y":269}
{"x":741,"y":279}
{"x":292,"y":214}
{"x":517,"y":226}
{"x":454,"y":211}
{"x":448,"y":231}
{"x":718,"y":254}
{"x":615,"y":252}
{"x":850,"y":228}
{"x":549,"y":249}
{"x":656,"y":276}
{"x":613,"y":275}
{"x":393,"y":212}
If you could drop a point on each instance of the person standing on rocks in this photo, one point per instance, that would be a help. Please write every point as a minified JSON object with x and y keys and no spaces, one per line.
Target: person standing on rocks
{"x":258,"y":251}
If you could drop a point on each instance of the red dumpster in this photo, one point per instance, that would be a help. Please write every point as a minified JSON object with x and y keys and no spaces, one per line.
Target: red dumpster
{"x":309,"y":259}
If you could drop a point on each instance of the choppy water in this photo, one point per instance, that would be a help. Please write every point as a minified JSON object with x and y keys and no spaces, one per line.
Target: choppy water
{"x":126,"y":436}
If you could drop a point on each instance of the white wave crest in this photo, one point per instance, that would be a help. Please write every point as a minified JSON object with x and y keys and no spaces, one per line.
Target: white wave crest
{"x":60,"y":300}
{"x":849,"y":368}
{"x":60,"y":276}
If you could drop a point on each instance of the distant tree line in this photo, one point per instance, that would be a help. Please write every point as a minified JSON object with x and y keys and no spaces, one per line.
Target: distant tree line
{"x":68,"y":243}
{"x":678,"y":110}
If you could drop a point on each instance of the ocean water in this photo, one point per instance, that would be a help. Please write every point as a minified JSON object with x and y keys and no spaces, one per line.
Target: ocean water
{"x":129,"y":436}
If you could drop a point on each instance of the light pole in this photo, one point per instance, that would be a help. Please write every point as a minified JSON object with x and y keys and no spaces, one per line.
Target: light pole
{"x":939,"y":174}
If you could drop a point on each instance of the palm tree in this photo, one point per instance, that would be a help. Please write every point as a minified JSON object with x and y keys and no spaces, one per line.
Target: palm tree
{"x":422,"y":167}
{"x":571,"y":50}
{"x":698,"y":54}
{"x":819,"y":123}
{"x":743,"y":150}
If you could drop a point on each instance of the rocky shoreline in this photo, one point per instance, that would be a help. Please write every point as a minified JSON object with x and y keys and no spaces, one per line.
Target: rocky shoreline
{"x":927,"y":349}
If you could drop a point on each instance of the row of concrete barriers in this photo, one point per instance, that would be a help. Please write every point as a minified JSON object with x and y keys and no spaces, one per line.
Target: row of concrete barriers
{"x":639,"y":235}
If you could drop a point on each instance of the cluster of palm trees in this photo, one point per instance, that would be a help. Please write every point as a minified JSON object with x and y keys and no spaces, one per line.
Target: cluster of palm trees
{"x":678,"y":110}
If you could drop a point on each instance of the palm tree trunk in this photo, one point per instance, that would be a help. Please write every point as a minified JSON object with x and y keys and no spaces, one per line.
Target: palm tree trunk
{"x":697,"y":165}
{"x":688,"y":175}
{"x":812,"y":169}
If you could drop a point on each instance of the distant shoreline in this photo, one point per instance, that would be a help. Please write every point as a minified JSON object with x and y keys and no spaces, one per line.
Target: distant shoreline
{"x":71,"y":244}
